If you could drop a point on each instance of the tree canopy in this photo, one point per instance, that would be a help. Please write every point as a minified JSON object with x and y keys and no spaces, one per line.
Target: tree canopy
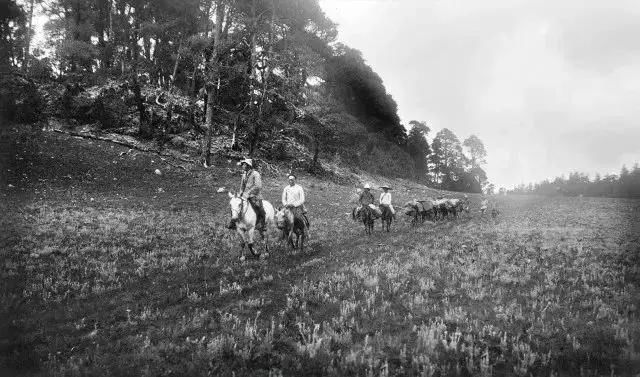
{"x":262,"y":70}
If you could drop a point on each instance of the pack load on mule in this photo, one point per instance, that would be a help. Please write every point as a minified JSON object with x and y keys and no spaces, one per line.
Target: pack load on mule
{"x":291,"y":218}
{"x":367,"y":211}
{"x":365,"y":200}
{"x":418,"y":210}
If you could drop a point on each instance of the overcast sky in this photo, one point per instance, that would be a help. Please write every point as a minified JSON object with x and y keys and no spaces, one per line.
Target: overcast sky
{"x":550,"y":87}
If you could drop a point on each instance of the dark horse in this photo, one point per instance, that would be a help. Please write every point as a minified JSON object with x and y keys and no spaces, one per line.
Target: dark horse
{"x":292,"y":221}
{"x":387,"y":217}
{"x":367,"y":216}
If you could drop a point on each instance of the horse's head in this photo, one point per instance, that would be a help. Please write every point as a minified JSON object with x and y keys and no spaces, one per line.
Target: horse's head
{"x":236,"y":203}
{"x":283,"y":216}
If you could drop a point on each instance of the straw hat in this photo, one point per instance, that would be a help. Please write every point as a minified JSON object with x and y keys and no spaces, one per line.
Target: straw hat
{"x":247,"y":161}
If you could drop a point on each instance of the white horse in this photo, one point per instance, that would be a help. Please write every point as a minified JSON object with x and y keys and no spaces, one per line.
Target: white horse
{"x":245,"y":218}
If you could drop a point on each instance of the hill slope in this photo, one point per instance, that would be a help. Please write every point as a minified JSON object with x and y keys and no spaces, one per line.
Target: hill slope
{"x":108,"y":268}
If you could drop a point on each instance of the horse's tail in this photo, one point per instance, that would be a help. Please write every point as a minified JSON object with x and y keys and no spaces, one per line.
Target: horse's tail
{"x":269,"y":212}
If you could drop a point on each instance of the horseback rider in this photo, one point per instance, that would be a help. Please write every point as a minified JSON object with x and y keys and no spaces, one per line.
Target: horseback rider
{"x":366,"y":199}
{"x":250,"y":188}
{"x":293,"y":197}
{"x":484,"y":204}
{"x":385,"y":200}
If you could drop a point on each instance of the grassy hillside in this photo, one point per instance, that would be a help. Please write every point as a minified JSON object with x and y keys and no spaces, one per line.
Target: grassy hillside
{"x":110,"y":269}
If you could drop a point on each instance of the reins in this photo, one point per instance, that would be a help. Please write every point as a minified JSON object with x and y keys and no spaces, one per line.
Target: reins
{"x":242,"y":211}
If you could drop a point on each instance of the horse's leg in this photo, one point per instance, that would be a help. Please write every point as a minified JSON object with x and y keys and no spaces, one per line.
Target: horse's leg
{"x":265,"y":236}
{"x":242,"y":243}
{"x":302,"y":237}
{"x":290,"y":238}
{"x":251,"y":235}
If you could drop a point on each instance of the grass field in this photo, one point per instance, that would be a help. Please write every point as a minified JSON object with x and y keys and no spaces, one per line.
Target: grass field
{"x":109,"y":269}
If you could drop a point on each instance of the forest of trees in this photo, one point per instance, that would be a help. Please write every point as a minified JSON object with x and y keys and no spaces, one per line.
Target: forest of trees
{"x":264,"y":71}
{"x":624,"y":185}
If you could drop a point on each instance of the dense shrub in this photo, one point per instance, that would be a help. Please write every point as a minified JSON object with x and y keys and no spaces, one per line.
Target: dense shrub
{"x":383,"y":157}
{"x":105,"y":104}
{"x":20,"y":100}
{"x":40,"y":70}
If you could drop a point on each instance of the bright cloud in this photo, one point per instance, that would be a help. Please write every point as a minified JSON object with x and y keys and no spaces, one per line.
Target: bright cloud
{"x":550,"y":87}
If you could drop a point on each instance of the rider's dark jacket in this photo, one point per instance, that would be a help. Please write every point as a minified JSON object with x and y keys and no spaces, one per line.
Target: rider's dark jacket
{"x":366,"y":198}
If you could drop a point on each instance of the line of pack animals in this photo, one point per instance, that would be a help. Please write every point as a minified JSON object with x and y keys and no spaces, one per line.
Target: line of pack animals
{"x":418,"y":211}
{"x":435,"y":209}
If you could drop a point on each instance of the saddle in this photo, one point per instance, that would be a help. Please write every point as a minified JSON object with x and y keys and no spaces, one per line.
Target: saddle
{"x":299,"y":216}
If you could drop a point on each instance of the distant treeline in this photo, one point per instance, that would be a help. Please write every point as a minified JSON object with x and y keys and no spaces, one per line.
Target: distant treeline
{"x":623,"y":185}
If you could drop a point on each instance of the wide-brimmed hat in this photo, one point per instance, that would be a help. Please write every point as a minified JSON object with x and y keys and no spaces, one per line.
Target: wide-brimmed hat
{"x":247,"y":161}
{"x":292,"y":176}
{"x":367,"y":186}
{"x":385,"y":187}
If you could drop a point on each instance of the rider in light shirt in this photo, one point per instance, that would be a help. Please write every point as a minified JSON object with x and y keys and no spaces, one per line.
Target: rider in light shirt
{"x":293,"y":196}
{"x":385,"y":199}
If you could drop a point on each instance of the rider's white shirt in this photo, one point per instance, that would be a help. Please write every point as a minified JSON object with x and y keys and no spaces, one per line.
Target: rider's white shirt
{"x":293,"y":195}
{"x":385,"y":198}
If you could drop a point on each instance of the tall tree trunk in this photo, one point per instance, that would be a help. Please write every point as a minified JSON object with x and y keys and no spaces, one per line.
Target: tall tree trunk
{"x":111,"y":22}
{"x":252,"y":50}
{"x":146,"y":42}
{"x":193,"y":90}
{"x":175,"y":67}
{"x":316,"y":153}
{"x":228,"y":21}
{"x":25,"y":62}
{"x":269,"y":65}
{"x":206,"y":17}
{"x":145,"y":126}
{"x":234,"y":136}
{"x":213,"y":82}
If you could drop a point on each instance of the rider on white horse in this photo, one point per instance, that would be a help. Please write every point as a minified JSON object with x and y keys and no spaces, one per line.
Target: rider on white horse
{"x":250,"y":189}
